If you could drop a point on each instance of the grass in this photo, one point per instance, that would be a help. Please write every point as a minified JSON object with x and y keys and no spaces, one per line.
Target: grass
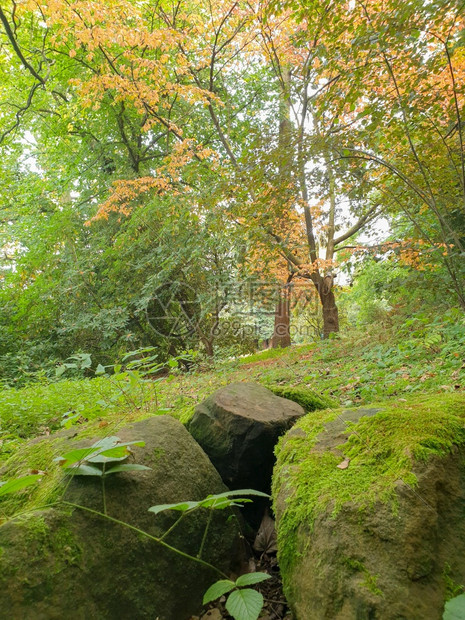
{"x":359,"y":368}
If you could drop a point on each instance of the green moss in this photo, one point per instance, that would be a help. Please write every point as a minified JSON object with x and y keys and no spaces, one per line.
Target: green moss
{"x":453,"y":588}
{"x":382,"y":451}
{"x":42,"y":542}
{"x":305,"y":397}
{"x":158,"y":453}
{"x":370,"y":582}
{"x":354,"y":564}
{"x":63,"y":544}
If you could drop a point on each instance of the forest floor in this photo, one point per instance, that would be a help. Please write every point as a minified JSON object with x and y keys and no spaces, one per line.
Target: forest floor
{"x":275,"y":606}
{"x":360,"y":367}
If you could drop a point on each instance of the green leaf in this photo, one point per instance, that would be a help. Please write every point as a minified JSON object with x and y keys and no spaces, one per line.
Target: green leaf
{"x":11,"y":486}
{"x":217,"y":589}
{"x":84,"y":470}
{"x":106,"y":443}
{"x":251,"y":578}
{"x":126,"y":467}
{"x":105,"y":450}
{"x":455,"y":608}
{"x":60,"y":370}
{"x":74,"y":456}
{"x":241,"y":492}
{"x":181,"y":506}
{"x":68,"y":421}
{"x":100,"y":370}
{"x":244,"y":604}
{"x":138,"y":352}
{"x":219,"y":503}
{"x":222,"y":500}
{"x":118,"y":453}
{"x":110,"y":449}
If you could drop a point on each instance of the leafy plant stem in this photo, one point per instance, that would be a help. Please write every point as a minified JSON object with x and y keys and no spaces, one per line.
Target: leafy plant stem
{"x":154,"y":538}
{"x":103,"y":491}
{"x":171,"y":528}
{"x":204,"y":537}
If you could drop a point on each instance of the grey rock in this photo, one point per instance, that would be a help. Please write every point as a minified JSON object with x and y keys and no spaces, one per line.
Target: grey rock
{"x":68,"y":563}
{"x":238,"y":427}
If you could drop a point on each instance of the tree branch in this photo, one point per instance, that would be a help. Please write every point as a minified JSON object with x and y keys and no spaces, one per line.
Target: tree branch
{"x":369,"y":215}
{"x":14,"y":43}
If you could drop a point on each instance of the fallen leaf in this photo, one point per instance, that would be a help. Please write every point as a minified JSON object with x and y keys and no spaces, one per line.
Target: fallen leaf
{"x":344,"y":464}
{"x":265,"y":541}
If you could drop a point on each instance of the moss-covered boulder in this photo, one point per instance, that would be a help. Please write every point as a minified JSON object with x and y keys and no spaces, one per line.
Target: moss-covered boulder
{"x":238,"y":426}
{"x":370,"y":508}
{"x":307,"y":398}
{"x":67,"y":562}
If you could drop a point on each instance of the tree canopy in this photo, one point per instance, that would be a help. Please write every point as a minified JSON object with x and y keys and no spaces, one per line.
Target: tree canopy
{"x":167,"y":154}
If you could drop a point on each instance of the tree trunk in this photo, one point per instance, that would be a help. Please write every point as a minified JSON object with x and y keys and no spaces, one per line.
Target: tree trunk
{"x":281,"y":334}
{"x":282,"y":322}
{"x":208,"y":344}
{"x":324,"y":286}
{"x":330,"y":314}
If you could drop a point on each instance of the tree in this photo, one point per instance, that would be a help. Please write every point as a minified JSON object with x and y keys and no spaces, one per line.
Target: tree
{"x":395,"y":97}
{"x":257,"y":115}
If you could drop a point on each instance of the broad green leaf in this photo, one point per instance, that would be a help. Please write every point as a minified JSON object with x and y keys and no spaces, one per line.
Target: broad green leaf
{"x":138,"y":352}
{"x":84,"y":470}
{"x":118,"y":453}
{"x":68,"y":421}
{"x":100,"y":370}
{"x":455,"y":608}
{"x":217,"y":589}
{"x":218,"y":503}
{"x":60,"y":370}
{"x":84,"y":359}
{"x":222,"y":500}
{"x":250,"y":578}
{"x":74,"y":456}
{"x":126,"y":467}
{"x":181,"y":506}
{"x":106,"y":443}
{"x":244,"y":604}
{"x":240,"y":492}
{"x":110,"y":449}
{"x":11,"y":486}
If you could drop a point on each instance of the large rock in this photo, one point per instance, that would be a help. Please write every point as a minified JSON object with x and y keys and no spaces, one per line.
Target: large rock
{"x":370,"y":511}
{"x":238,"y":427}
{"x":68,"y":563}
